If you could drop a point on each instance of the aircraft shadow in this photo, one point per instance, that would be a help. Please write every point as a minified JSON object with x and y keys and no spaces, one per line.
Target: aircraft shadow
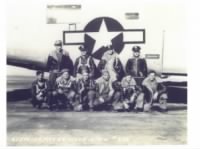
{"x":19,"y":94}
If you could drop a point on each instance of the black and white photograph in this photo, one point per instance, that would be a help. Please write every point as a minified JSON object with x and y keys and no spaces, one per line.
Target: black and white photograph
{"x":96,"y":73}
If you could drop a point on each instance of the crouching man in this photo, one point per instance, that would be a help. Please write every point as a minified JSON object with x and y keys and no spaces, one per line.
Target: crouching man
{"x":117,"y":97}
{"x":154,"y":91}
{"x":39,"y":90}
{"x":64,"y":96}
{"x":87,"y":91}
{"x":132,"y":93}
{"x":105,"y":92}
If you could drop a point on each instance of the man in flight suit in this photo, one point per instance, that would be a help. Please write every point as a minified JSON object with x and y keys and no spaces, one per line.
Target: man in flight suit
{"x":87,"y":89}
{"x":65,"y":87}
{"x":39,"y":90}
{"x":84,"y":63}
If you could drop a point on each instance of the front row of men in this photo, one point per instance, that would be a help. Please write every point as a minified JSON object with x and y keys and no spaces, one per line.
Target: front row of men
{"x":85,"y":93}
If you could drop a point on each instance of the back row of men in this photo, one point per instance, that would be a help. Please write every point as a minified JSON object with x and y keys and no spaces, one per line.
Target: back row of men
{"x":83,"y":86}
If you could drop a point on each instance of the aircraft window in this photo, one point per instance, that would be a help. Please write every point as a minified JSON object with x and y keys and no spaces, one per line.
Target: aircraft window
{"x":61,"y":14}
{"x":132,"y":15}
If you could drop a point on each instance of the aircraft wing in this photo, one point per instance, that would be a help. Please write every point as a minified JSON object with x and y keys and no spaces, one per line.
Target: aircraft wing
{"x":26,"y":63}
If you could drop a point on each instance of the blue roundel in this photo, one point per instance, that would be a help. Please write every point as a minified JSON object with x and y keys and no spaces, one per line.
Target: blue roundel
{"x":111,"y":26}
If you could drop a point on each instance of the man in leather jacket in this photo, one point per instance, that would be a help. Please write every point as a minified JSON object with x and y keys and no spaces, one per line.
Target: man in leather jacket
{"x":136,"y":66}
{"x":58,"y":60}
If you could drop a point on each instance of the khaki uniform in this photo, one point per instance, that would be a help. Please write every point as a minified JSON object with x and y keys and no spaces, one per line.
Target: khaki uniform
{"x":105,"y":93}
{"x":155,"y":92}
{"x":66,"y":91}
{"x":113,"y":65}
{"x":133,"y":97}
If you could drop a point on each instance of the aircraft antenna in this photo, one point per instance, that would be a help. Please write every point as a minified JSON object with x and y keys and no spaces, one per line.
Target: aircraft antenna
{"x":163,"y":47}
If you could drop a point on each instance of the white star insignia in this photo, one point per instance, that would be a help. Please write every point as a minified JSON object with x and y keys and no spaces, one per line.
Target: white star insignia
{"x":103,"y":37}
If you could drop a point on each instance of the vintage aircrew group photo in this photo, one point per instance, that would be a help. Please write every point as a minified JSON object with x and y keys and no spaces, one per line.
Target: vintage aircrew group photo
{"x":84,"y":86}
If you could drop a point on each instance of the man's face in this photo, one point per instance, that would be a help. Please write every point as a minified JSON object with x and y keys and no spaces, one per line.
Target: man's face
{"x":106,"y":76}
{"x":110,"y":51}
{"x":152,"y":76}
{"x":58,"y":47}
{"x":40,"y":76}
{"x":85,"y":76}
{"x":129,"y":78}
{"x":83,"y":53}
{"x":136,"y":54}
{"x":66,"y":75}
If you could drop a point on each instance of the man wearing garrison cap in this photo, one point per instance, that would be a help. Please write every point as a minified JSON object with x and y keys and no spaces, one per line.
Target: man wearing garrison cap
{"x":136,"y":66}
